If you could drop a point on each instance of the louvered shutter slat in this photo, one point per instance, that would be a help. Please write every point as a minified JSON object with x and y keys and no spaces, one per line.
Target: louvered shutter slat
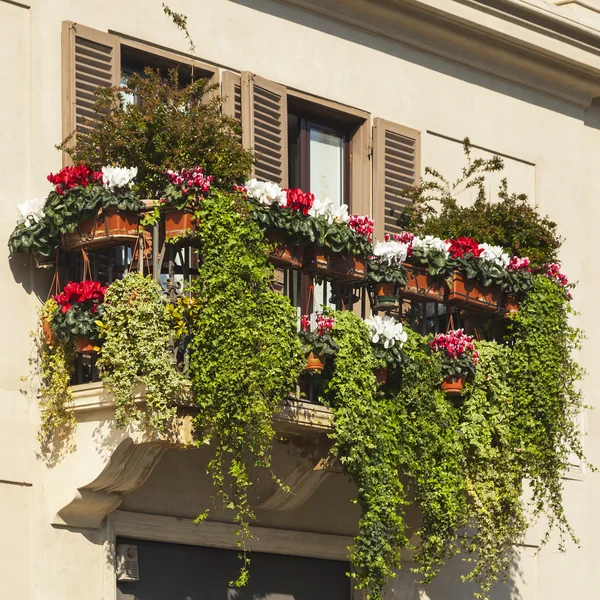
{"x":396,"y":165}
{"x":264,"y":119}
{"x":231,"y":93}
{"x":91,"y":60}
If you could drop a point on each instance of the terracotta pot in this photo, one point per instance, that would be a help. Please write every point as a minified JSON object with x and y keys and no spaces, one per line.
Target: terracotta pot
{"x":453,"y":386}
{"x":381,"y":375}
{"x":179,"y":223}
{"x":510,"y":303}
{"x":472,"y":295}
{"x":422,"y":286}
{"x":285,"y":255}
{"x":112,"y":228}
{"x":315,"y":363}
{"x":47,"y":332}
{"x":84,"y":345}
{"x":385,"y":295}
{"x":332,"y":265}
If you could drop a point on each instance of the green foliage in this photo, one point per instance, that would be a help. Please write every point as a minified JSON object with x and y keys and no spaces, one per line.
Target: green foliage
{"x":298,"y":228}
{"x":135,"y":331}
{"x":547,"y":401}
{"x":379,"y":271}
{"x":340,"y":238}
{"x":39,"y":238}
{"x":365,"y":440}
{"x":172,"y":126}
{"x":78,"y":321}
{"x":510,"y":221}
{"x":245,"y":355}
{"x":55,"y":367}
{"x":493,"y":470}
{"x":431,"y":455}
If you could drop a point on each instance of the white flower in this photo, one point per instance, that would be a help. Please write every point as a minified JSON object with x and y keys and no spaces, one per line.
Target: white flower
{"x":391,"y":252}
{"x":340,"y":214}
{"x":385,"y":330}
{"x":322,"y":208}
{"x":266,"y":192}
{"x":31,"y":212}
{"x":429,"y":242}
{"x":118,"y":177}
{"x":495,"y":255}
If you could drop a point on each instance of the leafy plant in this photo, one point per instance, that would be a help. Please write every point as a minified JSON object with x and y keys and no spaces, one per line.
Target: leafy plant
{"x":170,"y":127}
{"x":40,"y":238}
{"x":135,"y":333}
{"x":387,"y":339}
{"x":275,"y":219}
{"x":511,"y":221}
{"x":457,"y":352}
{"x":365,"y":440}
{"x":245,"y":354}
{"x":319,"y":340}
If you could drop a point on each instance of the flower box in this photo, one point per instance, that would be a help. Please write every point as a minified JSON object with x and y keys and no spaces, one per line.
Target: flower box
{"x":179,"y":223}
{"x":285,"y":255}
{"x":385,"y":296}
{"x":472,"y":295}
{"x":112,"y":228}
{"x":84,"y":346}
{"x":315,"y":363}
{"x":422,"y":286}
{"x":453,"y":386}
{"x":331,"y":265}
{"x":510,"y":304}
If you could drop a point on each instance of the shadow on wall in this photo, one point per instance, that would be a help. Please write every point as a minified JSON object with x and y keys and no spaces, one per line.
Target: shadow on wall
{"x":34,"y":281}
{"x":421,"y":58}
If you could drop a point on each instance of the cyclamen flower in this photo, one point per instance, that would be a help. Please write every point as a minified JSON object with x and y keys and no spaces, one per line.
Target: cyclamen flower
{"x":190,"y":180}
{"x":70,"y":177}
{"x":265,"y":192}
{"x":519,"y":264}
{"x":391,"y":252}
{"x":79,"y":293}
{"x":31,"y":212}
{"x":362,"y":225}
{"x":118,"y":177}
{"x":428,"y":243}
{"x":299,"y":200}
{"x":240,"y":189}
{"x":305,"y":322}
{"x":553,"y":271}
{"x":454,"y":344}
{"x":326,"y":208}
{"x":494,"y":254}
{"x":385,"y":330}
{"x":324,"y":324}
{"x":463,"y":246}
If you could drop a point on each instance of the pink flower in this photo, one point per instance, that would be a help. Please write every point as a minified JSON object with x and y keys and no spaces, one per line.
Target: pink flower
{"x":519,"y":264}
{"x":362,"y":225}
{"x":305,"y":322}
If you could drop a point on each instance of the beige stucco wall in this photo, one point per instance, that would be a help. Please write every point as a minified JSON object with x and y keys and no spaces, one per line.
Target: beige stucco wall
{"x":551,"y":148}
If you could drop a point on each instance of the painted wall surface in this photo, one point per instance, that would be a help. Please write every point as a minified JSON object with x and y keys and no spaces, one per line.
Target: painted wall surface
{"x":551,"y":154}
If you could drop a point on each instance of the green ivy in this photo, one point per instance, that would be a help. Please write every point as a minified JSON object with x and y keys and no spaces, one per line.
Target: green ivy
{"x":135,"y":329}
{"x":245,"y":355}
{"x":365,"y":438}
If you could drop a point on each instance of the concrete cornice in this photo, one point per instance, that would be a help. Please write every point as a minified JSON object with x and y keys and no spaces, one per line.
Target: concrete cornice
{"x":521,"y":42}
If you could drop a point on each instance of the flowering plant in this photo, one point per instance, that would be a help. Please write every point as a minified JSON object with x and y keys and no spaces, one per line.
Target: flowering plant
{"x":326,"y":208}
{"x":457,"y":353}
{"x":115,"y":178}
{"x":387,"y":339}
{"x":463,"y":247}
{"x":518,"y":278}
{"x":299,"y":200}
{"x":552,"y":271}
{"x":34,"y":231}
{"x":186,"y":188}
{"x":74,"y":176}
{"x":79,"y":307}
{"x":430,"y":252}
{"x":386,"y":262}
{"x":315,"y":334}
{"x":353,"y":235}
{"x":362,"y":225}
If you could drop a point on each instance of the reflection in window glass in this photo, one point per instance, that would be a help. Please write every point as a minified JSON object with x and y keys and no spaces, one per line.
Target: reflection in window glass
{"x":326,"y":165}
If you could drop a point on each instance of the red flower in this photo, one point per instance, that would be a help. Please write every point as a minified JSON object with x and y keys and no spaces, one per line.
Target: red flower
{"x":70,"y":177}
{"x":464,"y":246}
{"x":299,"y":200}
{"x":73,"y":293}
{"x":362,"y":225}
{"x":305,"y":322}
{"x":454,"y":344}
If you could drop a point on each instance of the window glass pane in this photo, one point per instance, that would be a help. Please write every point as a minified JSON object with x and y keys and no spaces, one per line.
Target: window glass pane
{"x":326,"y":165}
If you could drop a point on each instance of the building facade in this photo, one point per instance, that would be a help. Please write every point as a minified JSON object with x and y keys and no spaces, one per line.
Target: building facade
{"x":372,"y":91}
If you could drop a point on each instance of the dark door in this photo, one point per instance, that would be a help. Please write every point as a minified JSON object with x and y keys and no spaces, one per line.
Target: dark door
{"x":178,"y":572}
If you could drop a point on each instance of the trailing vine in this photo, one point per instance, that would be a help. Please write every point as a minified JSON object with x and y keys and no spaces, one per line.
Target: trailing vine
{"x":245,"y":355}
{"x":135,"y":331}
{"x":365,"y":439}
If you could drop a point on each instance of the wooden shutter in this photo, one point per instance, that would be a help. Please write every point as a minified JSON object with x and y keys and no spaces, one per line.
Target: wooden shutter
{"x":231,"y":94}
{"x":396,"y":166}
{"x":90,"y":59}
{"x":264,"y":126}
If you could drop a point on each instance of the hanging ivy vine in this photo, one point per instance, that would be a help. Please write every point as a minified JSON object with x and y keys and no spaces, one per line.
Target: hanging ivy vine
{"x":245,"y":352}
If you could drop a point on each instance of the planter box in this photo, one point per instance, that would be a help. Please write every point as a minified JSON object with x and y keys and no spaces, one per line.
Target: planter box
{"x":83,"y":345}
{"x":422,"y":286}
{"x":285,"y":255}
{"x":331,"y":265}
{"x":473,"y":296}
{"x":385,"y":296}
{"x":113,"y":228}
{"x":179,"y":223}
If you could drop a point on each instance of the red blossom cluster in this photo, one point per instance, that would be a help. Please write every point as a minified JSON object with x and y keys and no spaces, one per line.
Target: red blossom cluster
{"x":553,"y":271}
{"x":455,"y":344}
{"x":70,"y":177}
{"x":79,"y":293}
{"x":299,"y":200}
{"x":463,"y":246}
{"x":519,"y":264}
{"x":190,"y":180}
{"x":363,"y":225}
{"x":240,"y":189}
{"x":324,"y":324}
{"x":406,"y":237}
{"x":305,"y":322}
